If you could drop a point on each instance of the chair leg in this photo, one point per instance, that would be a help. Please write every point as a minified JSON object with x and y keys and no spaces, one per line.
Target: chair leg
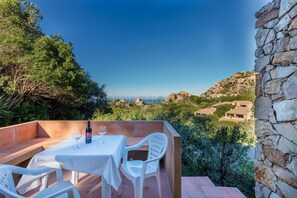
{"x":159,"y":184}
{"x":121,"y":185}
{"x":140,"y":193}
{"x":136,"y":188}
{"x":74,"y":177}
{"x":44,"y":182}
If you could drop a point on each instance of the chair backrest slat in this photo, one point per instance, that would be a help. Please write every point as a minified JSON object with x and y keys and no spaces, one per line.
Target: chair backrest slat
{"x":158,"y":143}
{"x":6,"y":181}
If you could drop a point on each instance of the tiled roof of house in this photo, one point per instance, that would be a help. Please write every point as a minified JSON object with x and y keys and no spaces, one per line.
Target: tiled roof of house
{"x":207,"y":111}
{"x":239,"y":111}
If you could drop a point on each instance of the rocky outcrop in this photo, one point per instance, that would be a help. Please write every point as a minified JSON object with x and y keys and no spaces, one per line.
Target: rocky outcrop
{"x":139,"y":102}
{"x":276,"y":101}
{"x":122,"y":103}
{"x":232,"y":86}
{"x":178,"y":97}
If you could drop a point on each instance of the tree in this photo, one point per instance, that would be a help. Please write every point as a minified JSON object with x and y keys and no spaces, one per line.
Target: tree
{"x":40,"y":70}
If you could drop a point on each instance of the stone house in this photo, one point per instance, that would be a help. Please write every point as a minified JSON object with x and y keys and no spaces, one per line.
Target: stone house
{"x":207,"y":111}
{"x":238,"y":114}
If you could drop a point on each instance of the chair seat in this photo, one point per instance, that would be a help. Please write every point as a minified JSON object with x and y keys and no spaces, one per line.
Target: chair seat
{"x":134,"y":168}
{"x":57,"y":188}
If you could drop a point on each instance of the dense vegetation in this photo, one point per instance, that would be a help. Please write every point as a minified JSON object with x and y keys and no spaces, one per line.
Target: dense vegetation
{"x":39,"y":76}
{"x":209,"y":147}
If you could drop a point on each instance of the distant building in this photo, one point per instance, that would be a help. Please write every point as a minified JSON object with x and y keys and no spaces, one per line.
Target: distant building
{"x":241,"y":112}
{"x":238,"y":114}
{"x":207,"y":111}
{"x":243,"y":103}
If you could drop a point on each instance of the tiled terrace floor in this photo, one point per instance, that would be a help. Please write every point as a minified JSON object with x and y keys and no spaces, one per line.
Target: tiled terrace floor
{"x":89,"y":186}
{"x":202,"y":187}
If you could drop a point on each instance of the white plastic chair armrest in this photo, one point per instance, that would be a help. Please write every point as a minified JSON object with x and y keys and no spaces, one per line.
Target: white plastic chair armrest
{"x":38,"y":171}
{"x":56,"y":190}
{"x":25,"y":171}
{"x":133,"y":147}
{"x":147,"y":162}
{"x":8,"y":193}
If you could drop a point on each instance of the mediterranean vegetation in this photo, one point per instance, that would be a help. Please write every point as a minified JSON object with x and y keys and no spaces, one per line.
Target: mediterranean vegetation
{"x":39,"y":75}
{"x":41,"y":79}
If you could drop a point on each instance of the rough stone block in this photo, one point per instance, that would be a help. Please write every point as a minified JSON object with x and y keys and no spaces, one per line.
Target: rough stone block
{"x":285,"y":58}
{"x":259,"y":52}
{"x":279,"y":96}
{"x":293,"y":43}
{"x":273,"y":86}
{"x":271,"y":24}
{"x":293,"y":32}
{"x":270,"y":37}
{"x":287,"y":130}
{"x":292,"y":166}
{"x":263,"y":129}
{"x":280,"y":35}
{"x":261,"y":37}
{"x":286,"y":146}
{"x":264,"y":175}
{"x":258,"y":84}
{"x":258,"y":152}
{"x":272,"y":118}
{"x":266,"y":77}
{"x":266,"y":9}
{"x":282,"y":72}
{"x":285,"y":175}
{"x":293,"y":12}
{"x":274,"y":195}
{"x":286,"y":6}
{"x":275,"y":156}
{"x":262,"y":107}
{"x":269,"y":67}
{"x":261,"y":63}
{"x":281,"y":44}
{"x":287,"y":190}
{"x":293,"y":24}
{"x":290,"y":87}
{"x":286,"y":110}
{"x":264,"y":19}
{"x":283,"y":24}
{"x":268,"y":48}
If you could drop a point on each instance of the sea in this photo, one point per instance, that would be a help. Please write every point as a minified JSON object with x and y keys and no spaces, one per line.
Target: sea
{"x":145,"y":99}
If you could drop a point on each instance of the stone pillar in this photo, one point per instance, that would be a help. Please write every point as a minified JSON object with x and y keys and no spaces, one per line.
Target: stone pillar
{"x":276,"y":101}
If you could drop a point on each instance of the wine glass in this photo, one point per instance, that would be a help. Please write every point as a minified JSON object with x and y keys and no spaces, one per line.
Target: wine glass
{"x":102,"y":132}
{"x":76,"y":134}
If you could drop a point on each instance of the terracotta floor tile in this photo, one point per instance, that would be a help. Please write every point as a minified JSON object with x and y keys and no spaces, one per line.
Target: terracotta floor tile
{"x":234,"y":192}
{"x":211,"y":192}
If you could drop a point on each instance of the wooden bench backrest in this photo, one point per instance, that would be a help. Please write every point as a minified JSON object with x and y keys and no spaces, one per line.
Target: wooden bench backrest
{"x":58,"y":129}
{"x":16,"y":134}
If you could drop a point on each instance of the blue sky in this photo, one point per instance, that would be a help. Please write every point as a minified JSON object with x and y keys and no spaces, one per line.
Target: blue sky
{"x":156,"y":47}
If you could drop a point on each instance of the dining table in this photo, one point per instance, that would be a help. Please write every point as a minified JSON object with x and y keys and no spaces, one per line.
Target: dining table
{"x":101,"y":157}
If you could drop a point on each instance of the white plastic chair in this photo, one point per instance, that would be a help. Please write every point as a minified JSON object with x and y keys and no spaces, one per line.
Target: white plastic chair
{"x":61,"y":188}
{"x":137,"y":170}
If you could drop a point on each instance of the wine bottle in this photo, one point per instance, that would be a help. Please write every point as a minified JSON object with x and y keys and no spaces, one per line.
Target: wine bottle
{"x":89,"y":133}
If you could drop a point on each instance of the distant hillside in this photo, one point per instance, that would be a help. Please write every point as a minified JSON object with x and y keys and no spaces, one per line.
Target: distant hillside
{"x":232,"y":86}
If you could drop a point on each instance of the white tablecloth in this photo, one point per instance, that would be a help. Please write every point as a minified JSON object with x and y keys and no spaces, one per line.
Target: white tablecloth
{"x":95,"y":158}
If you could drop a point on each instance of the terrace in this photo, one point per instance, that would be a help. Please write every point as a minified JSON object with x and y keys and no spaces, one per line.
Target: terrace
{"x":19,"y":143}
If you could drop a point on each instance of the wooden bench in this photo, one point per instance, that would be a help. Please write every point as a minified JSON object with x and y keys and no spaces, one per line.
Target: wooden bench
{"x":19,"y":153}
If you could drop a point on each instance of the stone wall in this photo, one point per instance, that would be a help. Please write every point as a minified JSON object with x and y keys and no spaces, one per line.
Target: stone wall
{"x":276,"y":102}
